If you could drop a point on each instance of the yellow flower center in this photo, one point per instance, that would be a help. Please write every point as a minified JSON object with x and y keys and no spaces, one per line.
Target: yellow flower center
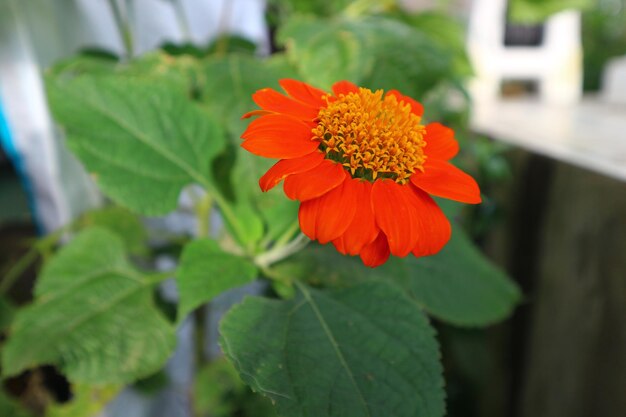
{"x":372,"y":136}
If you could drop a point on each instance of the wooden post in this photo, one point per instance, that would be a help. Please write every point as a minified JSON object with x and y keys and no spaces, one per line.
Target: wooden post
{"x":565,"y":241}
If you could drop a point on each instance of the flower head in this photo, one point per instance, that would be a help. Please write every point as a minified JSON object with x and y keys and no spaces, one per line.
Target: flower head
{"x":362,"y":165}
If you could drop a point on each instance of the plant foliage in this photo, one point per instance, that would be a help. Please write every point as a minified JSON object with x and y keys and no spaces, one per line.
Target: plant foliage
{"x":338,"y":339}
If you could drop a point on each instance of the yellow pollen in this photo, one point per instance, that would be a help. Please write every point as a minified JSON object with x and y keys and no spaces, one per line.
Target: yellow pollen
{"x":372,"y":136}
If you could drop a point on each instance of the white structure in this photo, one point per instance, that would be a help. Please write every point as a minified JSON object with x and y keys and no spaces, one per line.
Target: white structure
{"x":36,"y":33}
{"x":614,"y":81}
{"x":556,"y":64}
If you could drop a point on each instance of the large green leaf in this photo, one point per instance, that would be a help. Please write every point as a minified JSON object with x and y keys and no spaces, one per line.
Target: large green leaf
{"x":93,"y":316}
{"x":458,"y":285}
{"x":206,"y":271}
{"x":363,"y":351}
{"x":142,"y":141}
{"x":374,"y":52}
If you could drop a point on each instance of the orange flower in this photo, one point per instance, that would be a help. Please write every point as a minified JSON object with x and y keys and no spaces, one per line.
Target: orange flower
{"x":362,"y":165}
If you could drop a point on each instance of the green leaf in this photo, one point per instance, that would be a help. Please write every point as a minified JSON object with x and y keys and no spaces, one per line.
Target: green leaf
{"x":447,"y":32}
{"x":458,"y":285}
{"x":537,"y":11}
{"x":318,"y":7}
{"x":363,"y":351}
{"x":206,"y":271}
{"x":87,"y":401}
{"x":267,"y":214}
{"x":93,"y":316}
{"x":230,"y":83}
{"x":142,"y":141}
{"x":326,"y":50}
{"x":84,"y":63}
{"x":374,"y":52}
{"x":180,"y":73}
{"x":126,"y":225}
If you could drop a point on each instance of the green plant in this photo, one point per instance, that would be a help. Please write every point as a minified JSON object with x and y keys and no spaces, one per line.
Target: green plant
{"x":333,"y":338}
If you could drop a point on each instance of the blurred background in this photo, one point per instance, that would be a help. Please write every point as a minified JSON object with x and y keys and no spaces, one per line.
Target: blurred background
{"x":536,"y":91}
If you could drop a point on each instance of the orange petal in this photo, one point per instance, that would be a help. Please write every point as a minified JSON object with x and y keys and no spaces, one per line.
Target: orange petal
{"x":344,"y":87}
{"x":327,"y":217}
{"x":286,"y":167}
{"x":278,"y":136}
{"x":314,"y":183}
{"x":440,"y":142}
{"x":377,"y":252}
{"x":416,"y":106}
{"x":362,"y":229}
{"x":395,"y":215}
{"x":434,"y":227}
{"x":272,"y":100}
{"x":255,"y":113}
{"x":281,"y":122}
{"x":443,"y":179}
{"x":304,"y":92}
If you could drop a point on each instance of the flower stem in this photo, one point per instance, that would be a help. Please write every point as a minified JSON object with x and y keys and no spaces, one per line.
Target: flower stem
{"x":182,"y":20}
{"x":42,"y":247}
{"x":281,"y":252}
{"x":18,"y":269}
{"x":203,"y":215}
{"x":284,"y":238}
{"x":123,"y":28}
{"x":222,"y":28}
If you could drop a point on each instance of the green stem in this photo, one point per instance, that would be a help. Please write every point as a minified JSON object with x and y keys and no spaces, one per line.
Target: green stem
{"x":282,"y":240}
{"x":123,"y":28}
{"x":223,"y":38}
{"x":41,"y":247}
{"x":199,"y":315}
{"x":18,"y":269}
{"x":203,"y":215}
{"x":281,"y":252}
{"x":227,"y":213}
{"x":182,"y":20}
{"x":157,"y":277}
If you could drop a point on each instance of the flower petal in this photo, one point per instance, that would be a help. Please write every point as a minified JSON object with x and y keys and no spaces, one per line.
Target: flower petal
{"x":285,"y":167}
{"x":395,"y":215}
{"x":274,"y":101}
{"x":327,"y":217}
{"x":443,"y":179}
{"x":344,"y":87}
{"x":434,"y":227}
{"x":315,"y":182}
{"x":304,"y":92}
{"x":362,"y":229}
{"x":440,"y":142}
{"x":278,"y":136}
{"x":377,"y":252}
{"x":416,"y":106}
{"x":255,"y":113}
